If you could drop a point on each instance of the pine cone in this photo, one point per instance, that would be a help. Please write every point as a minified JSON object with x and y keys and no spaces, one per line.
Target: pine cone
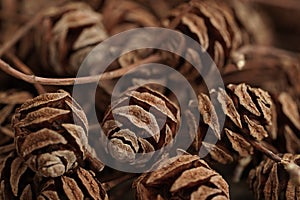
{"x":260,"y":69}
{"x":9,"y":100}
{"x":80,"y":184}
{"x":140,"y":121}
{"x":46,"y":136}
{"x":67,"y":34}
{"x":249,"y":116}
{"x":122,"y":15}
{"x":212,"y":24}
{"x":182,"y":177}
{"x":17,"y":180}
{"x":271,"y":181}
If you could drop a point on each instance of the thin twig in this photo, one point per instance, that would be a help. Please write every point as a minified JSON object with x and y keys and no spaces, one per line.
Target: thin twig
{"x":25,"y":69}
{"x":34,"y":21}
{"x":258,"y":146}
{"x":80,"y":80}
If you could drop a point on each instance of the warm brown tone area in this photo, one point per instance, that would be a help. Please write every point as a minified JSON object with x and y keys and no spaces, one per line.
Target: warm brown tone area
{"x":50,"y":148}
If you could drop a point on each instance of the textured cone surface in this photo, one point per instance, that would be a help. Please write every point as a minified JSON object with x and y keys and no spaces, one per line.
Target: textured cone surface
{"x":122,"y":15}
{"x":260,"y":69}
{"x":182,"y":177}
{"x":17,"y":180}
{"x":79,"y":184}
{"x":212,"y":24}
{"x":248,"y":114}
{"x":271,"y":181}
{"x":47,"y":136}
{"x":67,"y":34}
{"x":139,"y":121}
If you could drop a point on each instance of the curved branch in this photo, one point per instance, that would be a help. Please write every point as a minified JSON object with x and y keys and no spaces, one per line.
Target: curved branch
{"x":80,"y":80}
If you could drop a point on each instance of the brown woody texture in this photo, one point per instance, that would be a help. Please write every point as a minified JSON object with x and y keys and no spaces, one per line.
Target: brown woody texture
{"x":212,"y":24}
{"x":271,"y":181}
{"x":260,"y":69}
{"x":9,"y":100}
{"x":80,"y":184}
{"x":119,"y":16}
{"x":66,"y":35}
{"x":17,"y":179}
{"x":288,"y":135}
{"x":51,"y":133}
{"x":182,"y":177}
{"x":141,"y":121}
{"x":220,"y":27}
{"x":249,"y":117}
{"x":260,"y":66}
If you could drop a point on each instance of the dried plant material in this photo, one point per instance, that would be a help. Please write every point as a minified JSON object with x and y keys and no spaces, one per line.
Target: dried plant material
{"x":260,"y":66}
{"x":66,"y":35}
{"x":288,"y":139}
{"x":248,"y":115}
{"x":95,"y":4}
{"x":122,"y":15}
{"x":46,"y":136}
{"x":9,"y":100}
{"x":271,"y":180}
{"x":264,"y":66}
{"x":212,"y":24}
{"x":80,"y":184}
{"x":259,"y":21}
{"x":17,"y":180}
{"x":139,"y":121}
{"x":5,"y":150}
{"x":160,"y":8}
{"x":182,"y":177}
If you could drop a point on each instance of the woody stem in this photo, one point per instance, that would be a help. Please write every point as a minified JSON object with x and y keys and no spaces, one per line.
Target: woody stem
{"x":80,"y":80}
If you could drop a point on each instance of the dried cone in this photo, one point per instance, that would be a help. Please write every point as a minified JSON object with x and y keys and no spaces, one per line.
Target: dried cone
{"x":271,"y":180}
{"x":9,"y":100}
{"x":122,"y":15}
{"x":249,"y":117}
{"x":260,"y":69}
{"x":212,"y":23}
{"x":182,"y":177}
{"x":46,"y":135}
{"x":140,"y":121}
{"x":66,"y":35}
{"x":80,"y":184}
{"x":17,"y":179}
